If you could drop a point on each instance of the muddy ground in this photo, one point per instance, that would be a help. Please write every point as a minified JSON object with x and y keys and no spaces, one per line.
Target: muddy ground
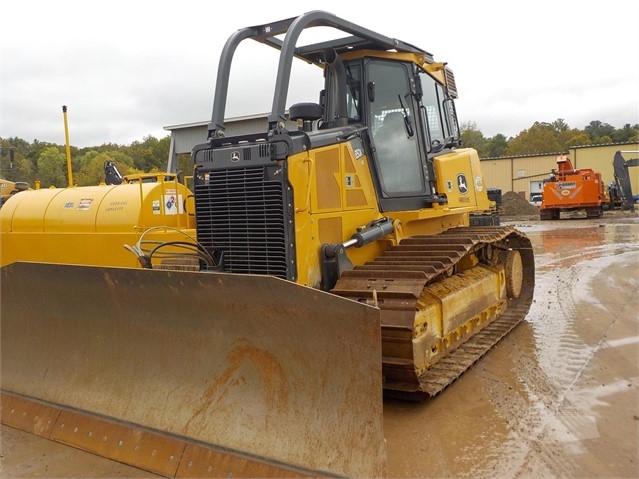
{"x":557,"y":398}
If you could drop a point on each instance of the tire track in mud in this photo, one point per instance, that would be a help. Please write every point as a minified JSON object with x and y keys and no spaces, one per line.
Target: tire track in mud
{"x":547,"y":413}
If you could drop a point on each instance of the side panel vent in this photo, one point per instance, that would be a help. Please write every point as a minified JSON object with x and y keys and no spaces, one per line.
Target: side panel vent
{"x":450,"y":82}
{"x":265,"y":151}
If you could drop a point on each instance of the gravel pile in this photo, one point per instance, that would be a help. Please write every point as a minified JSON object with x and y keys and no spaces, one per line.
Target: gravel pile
{"x":513,"y":204}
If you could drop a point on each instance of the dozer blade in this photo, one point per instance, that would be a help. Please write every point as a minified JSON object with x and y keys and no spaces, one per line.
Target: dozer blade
{"x":190,"y":374}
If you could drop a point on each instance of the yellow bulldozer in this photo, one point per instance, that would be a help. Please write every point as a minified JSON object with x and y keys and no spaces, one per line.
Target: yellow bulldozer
{"x":252,"y":325}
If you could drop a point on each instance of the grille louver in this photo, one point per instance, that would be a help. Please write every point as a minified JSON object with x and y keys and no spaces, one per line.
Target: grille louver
{"x":243,"y":212}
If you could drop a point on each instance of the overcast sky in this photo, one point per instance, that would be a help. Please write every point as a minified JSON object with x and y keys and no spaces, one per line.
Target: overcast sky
{"x":127,"y":69}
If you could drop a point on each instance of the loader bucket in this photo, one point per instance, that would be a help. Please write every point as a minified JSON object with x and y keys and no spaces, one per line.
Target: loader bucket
{"x":190,"y":374}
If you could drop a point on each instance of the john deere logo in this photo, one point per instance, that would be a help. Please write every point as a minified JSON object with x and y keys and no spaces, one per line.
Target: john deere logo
{"x":235,"y":156}
{"x":462,"y":184}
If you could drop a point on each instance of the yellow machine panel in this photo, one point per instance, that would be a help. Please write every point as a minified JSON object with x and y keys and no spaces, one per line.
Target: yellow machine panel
{"x":459,"y":176}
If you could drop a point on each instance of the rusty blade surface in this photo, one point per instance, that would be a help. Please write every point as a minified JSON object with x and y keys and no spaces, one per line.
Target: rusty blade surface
{"x":250,"y":364}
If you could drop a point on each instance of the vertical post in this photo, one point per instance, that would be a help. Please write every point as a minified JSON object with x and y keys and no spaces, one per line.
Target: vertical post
{"x":68,"y":147}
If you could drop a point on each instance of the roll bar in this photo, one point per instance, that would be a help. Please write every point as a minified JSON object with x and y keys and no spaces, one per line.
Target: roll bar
{"x":361,"y":38}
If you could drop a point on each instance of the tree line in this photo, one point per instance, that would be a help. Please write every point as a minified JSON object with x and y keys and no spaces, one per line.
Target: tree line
{"x":543,"y":138}
{"x":47,"y":162}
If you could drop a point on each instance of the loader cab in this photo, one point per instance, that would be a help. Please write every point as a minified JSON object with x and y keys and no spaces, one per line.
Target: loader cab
{"x":410,"y":118}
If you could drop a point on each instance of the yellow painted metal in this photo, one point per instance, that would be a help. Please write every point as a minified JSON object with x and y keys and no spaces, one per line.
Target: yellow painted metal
{"x":67,"y":147}
{"x":467,"y":294}
{"x":91,"y":225}
{"x":420,"y":59}
{"x":447,"y":169}
{"x":204,"y":357}
{"x":336,"y":196}
{"x":455,"y":308}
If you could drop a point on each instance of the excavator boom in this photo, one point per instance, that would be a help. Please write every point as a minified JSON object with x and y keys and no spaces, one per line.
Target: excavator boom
{"x":622,"y":178}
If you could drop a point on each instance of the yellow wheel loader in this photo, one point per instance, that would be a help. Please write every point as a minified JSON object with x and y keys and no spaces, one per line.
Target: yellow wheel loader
{"x":253,"y":325}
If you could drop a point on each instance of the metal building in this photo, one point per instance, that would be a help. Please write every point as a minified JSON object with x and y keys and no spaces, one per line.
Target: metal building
{"x":525,"y":174}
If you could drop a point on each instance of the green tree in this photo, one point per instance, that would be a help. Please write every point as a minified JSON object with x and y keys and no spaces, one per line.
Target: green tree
{"x":52,"y":167}
{"x":185,"y":164}
{"x":572,"y":137}
{"x":8,"y":155}
{"x":150,"y":154}
{"x":161,"y":153}
{"x":626,"y":134}
{"x":36,"y":148}
{"x":23,"y":169}
{"x":559,"y":125}
{"x":91,"y":171}
{"x":597,"y":129}
{"x":602,"y":140}
{"x":539,"y":139}
{"x":496,"y":146}
{"x":473,"y":138}
{"x":579,"y":139}
{"x":91,"y":166}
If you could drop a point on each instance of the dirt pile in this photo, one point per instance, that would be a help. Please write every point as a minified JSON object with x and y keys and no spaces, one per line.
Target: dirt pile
{"x":513,"y":204}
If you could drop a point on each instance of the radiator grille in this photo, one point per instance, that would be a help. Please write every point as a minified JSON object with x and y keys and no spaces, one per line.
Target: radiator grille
{"x":243,"y":212}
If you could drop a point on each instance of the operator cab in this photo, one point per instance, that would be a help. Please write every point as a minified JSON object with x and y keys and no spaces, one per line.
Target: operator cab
{"x":410,"y":118}
{"x":388,"y":93}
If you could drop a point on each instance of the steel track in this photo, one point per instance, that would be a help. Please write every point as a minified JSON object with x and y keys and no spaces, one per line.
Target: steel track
{"x":394,"y":282}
